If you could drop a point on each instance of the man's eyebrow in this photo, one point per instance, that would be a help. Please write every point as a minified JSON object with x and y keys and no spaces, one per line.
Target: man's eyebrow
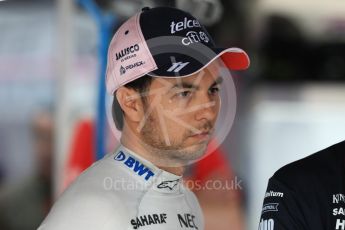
{"x":218,"y":81}
{"x":185,"y":85}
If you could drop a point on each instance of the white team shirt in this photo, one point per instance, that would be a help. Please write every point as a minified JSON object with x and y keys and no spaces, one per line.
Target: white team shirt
{"x":125,"y":191}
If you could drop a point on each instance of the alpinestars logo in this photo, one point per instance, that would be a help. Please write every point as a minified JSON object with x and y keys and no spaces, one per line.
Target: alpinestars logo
{"x":135,"y":165}
{"x":129,"y":50}
{"x":170,"y":184}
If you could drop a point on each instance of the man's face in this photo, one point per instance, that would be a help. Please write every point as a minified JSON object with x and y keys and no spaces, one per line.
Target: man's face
{"x":180,"y":114}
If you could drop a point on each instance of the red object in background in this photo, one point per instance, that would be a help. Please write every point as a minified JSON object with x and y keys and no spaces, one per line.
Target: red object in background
{"x":214,"y":162}
{"x":82,"y":151}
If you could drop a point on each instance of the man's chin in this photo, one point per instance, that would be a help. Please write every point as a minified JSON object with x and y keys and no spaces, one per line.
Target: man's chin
{"x":196,"y":151}
{"x":180,"y":154}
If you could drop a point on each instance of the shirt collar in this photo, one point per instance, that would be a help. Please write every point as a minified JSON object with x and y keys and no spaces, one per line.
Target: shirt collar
{"x":146,"y":172}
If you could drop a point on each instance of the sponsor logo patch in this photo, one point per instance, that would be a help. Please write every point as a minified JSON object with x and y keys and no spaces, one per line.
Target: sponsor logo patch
{"x":338,"y":198}
{"x":170,"y":184}
{"x":274,"y":194}
{"x":149,"y":219}
{"x":123,"y":70}
{"x":270,"y":207}
{"x":127,"y":53}
{"x":182,"y":25}
{"x":187,"y":221}
{"x":194,"y":37}
{"x":135,"y":165}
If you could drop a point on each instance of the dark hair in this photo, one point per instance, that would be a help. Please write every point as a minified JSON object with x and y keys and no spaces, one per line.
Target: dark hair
{"x":140,"y":85}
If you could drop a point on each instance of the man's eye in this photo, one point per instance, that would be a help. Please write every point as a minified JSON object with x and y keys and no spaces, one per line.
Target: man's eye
{"x":214,"y":90}
{"x":184,"y":94}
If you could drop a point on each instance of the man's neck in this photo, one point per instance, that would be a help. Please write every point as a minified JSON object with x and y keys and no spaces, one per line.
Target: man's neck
{"x":143,"y":152}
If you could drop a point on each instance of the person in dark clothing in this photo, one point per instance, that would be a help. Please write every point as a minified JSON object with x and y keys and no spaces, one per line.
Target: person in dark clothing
{"x":308,"y":193}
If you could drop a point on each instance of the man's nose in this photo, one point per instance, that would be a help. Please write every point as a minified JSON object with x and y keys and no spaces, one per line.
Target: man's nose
{"x":207,"y":108}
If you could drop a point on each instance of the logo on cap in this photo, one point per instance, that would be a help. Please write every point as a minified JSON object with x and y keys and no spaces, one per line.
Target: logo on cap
{"x":194,"y":37}
{"x":204,"y":37}
{"x":182,"y":25}
{"x":177,"y":66}
{"x":127,"y":53}
{"x":122,"y":70}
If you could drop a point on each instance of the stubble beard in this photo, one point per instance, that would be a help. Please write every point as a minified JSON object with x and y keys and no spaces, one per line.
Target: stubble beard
{"x":174,"y":154}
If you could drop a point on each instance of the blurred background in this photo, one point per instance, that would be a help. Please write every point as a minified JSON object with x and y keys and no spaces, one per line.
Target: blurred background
{"x":291,"y":102}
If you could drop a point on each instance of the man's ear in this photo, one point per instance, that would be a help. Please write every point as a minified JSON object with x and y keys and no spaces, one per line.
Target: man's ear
{"x":130,"y":102}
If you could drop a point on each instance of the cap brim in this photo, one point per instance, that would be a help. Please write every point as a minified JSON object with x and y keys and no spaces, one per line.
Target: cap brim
{"x":234,"y":59}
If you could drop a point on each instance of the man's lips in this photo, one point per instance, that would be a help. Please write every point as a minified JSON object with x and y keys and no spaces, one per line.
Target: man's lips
{"x":202,"y":136}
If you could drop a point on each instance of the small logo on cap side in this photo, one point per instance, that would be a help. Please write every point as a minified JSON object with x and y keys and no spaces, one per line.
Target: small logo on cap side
{"x":127,"y":52}
{"x":204,"y":37}
{"x":122,"y":70}
{"x":177,"y":66}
